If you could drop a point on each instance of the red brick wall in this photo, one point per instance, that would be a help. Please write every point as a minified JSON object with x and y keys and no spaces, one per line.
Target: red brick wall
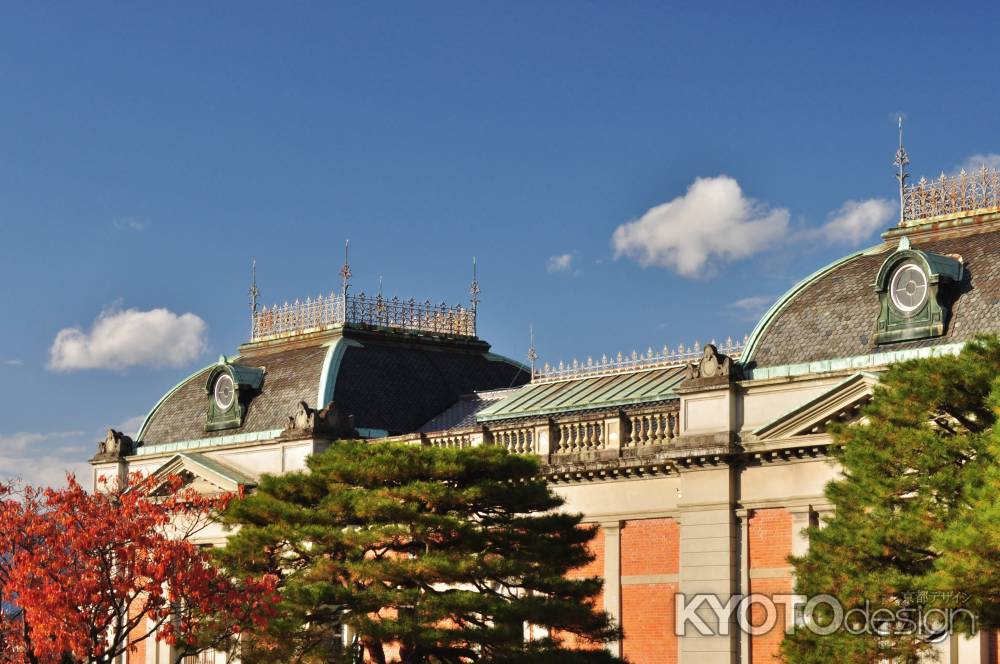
{"x":649,"y":546}
{"x":595,"y":568}
{"x":766,"y":648}
{"x":770,"y":543}
{"x":770,"y":538}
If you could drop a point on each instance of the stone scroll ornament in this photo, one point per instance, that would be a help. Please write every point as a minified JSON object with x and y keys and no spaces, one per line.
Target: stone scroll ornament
{"x":115,"y":446}
{"x":328,"y":422}
{"x":713,"y":365}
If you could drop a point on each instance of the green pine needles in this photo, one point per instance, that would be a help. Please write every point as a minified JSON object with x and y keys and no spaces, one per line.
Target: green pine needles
{"x":916,"y":529}
{"x":392,"y":552}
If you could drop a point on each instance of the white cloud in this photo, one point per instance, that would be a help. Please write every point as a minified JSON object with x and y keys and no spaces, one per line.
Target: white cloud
{"x":751,"y":308}
{"x":560,"y":263}
{"x":44,"y":470}
{"x":712,"y":222}
{"x":121,"y":339}
{"x":856,"y":221}
{"x":130,"y":427}
{"x":42,"y":459}
{"x":129,"y":224}
{"x":12,"y":362}
{"x":15,"y":443}
{"x":976,"y":161}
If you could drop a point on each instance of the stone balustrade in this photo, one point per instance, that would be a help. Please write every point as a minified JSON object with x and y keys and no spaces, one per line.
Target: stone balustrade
{"x":581,"y":435}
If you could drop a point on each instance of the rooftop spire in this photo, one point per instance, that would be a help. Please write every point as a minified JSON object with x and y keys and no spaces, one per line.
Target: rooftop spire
{"x":474,"y":293}
{"x":532,"y":353}
{"x":254,"y":294}
{"x":902,"y":160}
{"x":345,"y":272}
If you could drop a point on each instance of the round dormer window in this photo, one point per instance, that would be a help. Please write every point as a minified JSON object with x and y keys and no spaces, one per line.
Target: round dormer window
{"x":909,"y":288}
{"x":224,"y":392}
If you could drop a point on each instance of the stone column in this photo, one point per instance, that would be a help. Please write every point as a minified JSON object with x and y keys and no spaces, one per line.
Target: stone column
{"x":613,"y":577}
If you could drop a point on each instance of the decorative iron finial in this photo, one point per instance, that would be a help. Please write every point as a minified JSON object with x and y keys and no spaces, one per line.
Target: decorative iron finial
{"x":902,"y":160}
{"x":254,"y":294}
{"x":474,"y":292}
{"x":532,"y":353}
{"x":345,"y":272}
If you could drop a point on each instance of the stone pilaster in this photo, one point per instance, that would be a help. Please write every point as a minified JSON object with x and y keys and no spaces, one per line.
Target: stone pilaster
{"x":612,"y":577}
{"x":545,"y":436}
{"x":708,"y":562}
{"x":743,"y":533}
{"x":614,"y":433}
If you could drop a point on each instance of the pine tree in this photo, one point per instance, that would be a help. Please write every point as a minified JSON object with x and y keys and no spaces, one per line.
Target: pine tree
{"x":423,"y":554}
{"x":906,"y":506}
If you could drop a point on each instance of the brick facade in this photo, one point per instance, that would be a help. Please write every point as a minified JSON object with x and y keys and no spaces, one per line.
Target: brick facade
{"x":650,"y":552}
{"x":770,"y":543}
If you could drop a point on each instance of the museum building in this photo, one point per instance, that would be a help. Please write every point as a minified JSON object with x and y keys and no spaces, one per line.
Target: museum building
{"x":701,"y":465}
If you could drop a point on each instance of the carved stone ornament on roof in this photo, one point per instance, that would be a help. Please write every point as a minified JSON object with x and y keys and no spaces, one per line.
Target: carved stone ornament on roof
{"x":326,"y":423}
{"x":713,"y":367}
{"x":115,"y":446}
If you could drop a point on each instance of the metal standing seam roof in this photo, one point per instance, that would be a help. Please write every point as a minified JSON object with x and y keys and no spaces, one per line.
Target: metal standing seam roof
{"x":596,"y":392}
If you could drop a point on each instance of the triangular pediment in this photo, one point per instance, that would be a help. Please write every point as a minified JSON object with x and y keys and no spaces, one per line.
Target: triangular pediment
{"x":205,"y":474}
{"x":841,"y":403}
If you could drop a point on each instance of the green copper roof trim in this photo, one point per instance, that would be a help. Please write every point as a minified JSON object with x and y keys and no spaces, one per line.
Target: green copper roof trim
{"x":372,"y":433}
{"x":177,"y":446}
{"x":758,"y":332}
{"x":145,"y":422}
{"x":856,"y":362}
{"x":331,"y":365}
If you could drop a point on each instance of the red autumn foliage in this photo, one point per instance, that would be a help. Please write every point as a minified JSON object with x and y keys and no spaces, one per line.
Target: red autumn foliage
{"x":85,"y":577}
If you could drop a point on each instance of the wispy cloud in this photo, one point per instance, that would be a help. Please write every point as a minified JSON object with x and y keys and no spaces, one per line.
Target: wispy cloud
{"x":12,"y":362}
{"x":560,"y":263}
{"x":751,"y":308}
{"x":712,"y":223}
{"x":47,"y":470}
{"x":855,"y":222}
{"x":119,"y":339}
{"x":975,"y":162}
{"x":14,"y":443}
{"x":42,"y":459}
{"x":130,"y":427}
{"x":129,"y":224}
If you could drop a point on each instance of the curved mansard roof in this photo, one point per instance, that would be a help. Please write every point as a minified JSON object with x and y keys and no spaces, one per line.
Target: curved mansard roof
{"x":833,"y":313}
{"x":390,"y":382}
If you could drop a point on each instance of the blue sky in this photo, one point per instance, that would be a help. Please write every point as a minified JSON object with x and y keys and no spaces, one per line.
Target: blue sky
{"x":628,"y":174}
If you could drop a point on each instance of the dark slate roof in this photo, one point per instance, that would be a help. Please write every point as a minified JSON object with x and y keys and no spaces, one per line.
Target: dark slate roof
{"x":388,"y":382}
{"x":399,"y":388}
{"x":835,"y":314}
{"x":462,"y":415}
{"x":563,"y":396}
{"x":291,"y":375}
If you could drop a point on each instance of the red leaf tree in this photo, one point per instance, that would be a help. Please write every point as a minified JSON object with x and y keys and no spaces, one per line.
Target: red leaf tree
{"x":86,"y":577}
